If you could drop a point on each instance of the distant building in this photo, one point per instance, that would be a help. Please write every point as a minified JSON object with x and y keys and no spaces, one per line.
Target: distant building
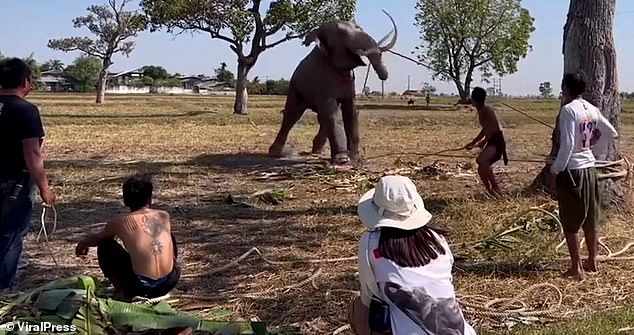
{"x":126,"y":82}
{"x":55,"y":81}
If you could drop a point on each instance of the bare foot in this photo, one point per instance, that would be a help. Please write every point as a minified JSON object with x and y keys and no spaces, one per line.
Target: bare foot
{"x":590,"y":266}
{"x":574,"y":273}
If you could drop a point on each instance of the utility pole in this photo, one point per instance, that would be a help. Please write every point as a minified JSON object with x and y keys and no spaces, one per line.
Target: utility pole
{"x":408,"y":82}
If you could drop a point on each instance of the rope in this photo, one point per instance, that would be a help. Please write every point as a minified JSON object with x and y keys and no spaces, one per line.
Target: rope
{"x":341,"y":329}
{"x":43,"y":230}
{"x":255,"y":249}
{"x":527,"y":115}
{"x":438,"y":153}
{"x":504,"y":310}
{"x":254,"y":295}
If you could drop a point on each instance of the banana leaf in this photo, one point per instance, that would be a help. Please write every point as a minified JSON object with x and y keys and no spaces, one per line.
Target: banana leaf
{"x":72,"y":301}
{"x":51,"y":300}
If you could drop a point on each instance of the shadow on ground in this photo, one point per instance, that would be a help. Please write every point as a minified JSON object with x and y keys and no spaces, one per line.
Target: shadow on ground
{"x":234,"y":162}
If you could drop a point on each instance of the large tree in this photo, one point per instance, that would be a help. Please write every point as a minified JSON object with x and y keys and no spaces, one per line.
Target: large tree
{"x":246,"y":25}
{"x":462,"y":36}
{"x":589,"y":47}
{"x":113,"y":27}
{"x":85,"y":72}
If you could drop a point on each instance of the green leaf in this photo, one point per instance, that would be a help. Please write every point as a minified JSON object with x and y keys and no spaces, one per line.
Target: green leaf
{"x":51,"y":300}
{"x":163,"y":307}
{"x":147,"y":321}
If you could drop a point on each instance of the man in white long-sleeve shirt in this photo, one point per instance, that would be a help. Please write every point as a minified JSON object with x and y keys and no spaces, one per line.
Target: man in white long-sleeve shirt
{"x":573,"y":175}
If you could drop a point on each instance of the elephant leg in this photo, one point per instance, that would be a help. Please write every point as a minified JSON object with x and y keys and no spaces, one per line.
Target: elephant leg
{"x":327,"y":114}
{"x":320,"y":140}
{"x":350,"y":117}
{"x":293,"y":111}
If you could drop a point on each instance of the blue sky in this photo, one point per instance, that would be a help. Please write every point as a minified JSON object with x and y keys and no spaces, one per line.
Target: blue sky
{"x":27,"y":25}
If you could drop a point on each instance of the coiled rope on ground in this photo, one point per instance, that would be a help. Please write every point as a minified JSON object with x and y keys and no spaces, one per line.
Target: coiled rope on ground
{"x":482,"y":307}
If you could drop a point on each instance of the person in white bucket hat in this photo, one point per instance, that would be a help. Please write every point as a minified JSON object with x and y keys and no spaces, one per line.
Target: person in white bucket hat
{"x":404,"y":267}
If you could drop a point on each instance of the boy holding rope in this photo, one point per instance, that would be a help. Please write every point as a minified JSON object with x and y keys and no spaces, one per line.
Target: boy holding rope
{"x":490,"y":139}
{"x":573,"y":175}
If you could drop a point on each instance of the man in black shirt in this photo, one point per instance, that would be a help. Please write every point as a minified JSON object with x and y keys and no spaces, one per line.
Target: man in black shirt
{"x":21,"y":163}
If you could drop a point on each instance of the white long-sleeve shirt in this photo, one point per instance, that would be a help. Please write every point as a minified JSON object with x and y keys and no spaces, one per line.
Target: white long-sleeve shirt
{"x":421,"y":299}
{"x":582,"y":130}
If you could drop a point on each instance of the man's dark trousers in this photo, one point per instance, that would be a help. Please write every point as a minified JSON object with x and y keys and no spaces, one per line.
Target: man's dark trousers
{"x":15,"y":219}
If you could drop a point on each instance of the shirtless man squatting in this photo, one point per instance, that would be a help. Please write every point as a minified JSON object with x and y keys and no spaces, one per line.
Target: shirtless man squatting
{"x":490,"y":139}
{"x":573,"y":175}
{"x":147,"y":266}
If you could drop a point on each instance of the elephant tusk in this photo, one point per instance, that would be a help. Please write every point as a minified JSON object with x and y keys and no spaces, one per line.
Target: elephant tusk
{"x":394,"y":37}
{"x":385,"y":37}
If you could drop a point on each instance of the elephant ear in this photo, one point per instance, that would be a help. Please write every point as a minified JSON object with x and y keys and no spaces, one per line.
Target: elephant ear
{"x":311,"y":37}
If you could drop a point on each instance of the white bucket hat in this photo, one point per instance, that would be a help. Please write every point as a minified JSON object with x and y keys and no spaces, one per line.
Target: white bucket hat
{"x":393,"y":202}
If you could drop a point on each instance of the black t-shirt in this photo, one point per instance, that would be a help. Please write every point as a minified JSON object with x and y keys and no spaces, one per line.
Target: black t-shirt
{"x":19,"y":120}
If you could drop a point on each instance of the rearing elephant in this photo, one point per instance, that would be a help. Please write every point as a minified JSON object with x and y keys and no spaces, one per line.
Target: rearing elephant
{"x":323,"y":81}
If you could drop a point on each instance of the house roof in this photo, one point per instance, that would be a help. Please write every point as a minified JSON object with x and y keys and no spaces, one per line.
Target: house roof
{"x":51,"y":79}
{"x":135,"y":70}
{"x":53,"y":73}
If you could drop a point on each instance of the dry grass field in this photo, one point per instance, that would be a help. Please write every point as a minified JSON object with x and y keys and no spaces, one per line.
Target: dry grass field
{"x":202,"y":156}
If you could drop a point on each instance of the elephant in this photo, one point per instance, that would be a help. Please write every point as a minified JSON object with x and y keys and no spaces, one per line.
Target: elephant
{"x":324,"y":82}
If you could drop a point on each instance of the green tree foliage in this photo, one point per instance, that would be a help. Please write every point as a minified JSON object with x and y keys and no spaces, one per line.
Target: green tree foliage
{"x":277,"y":87}
{"x":157,"y":76}
{"x":224,"y":75}
{"x":428,"y":88}
{"x":545,"y":89}
{"x":112,"y":26}
{"x":270,"y":87}
{"x":36,"y":70}
{"x":462,"y":36}
{"x":84,"y":73}
{"x":52,"y":64}
{"x":246,"y":26}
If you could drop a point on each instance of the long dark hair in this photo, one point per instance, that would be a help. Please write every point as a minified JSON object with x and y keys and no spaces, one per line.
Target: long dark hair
{"x":411,"y":248}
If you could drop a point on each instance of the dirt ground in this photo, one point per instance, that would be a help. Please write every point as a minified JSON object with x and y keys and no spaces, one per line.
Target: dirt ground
{"x":202,"y":156}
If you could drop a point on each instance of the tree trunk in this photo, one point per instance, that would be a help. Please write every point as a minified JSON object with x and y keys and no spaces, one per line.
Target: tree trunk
{"x":588,"y":46}
{"x":101,"y":86}
{"x":240,"y":104}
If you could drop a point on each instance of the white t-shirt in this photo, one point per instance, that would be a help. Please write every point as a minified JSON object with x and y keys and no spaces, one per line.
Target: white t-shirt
{"x":422,"y":299}
{"x":584,"y":134}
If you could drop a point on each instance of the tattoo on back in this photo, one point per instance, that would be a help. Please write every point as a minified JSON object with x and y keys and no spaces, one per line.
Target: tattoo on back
{"x":154,"y":226}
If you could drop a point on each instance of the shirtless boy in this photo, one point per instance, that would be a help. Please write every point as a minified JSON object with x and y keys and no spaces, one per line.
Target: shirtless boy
{"x":147,"y":266}
{"x":490,"y":139}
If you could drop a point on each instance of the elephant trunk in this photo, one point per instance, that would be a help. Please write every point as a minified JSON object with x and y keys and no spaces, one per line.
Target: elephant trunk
{"x":374,"y":53}
{"x":377,"y":63}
